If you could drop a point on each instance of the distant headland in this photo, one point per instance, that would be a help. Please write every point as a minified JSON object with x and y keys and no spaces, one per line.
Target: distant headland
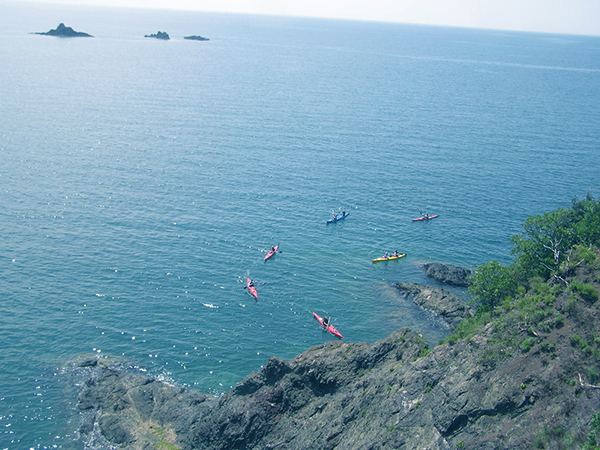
{"x":160,"y":35}
{"x":196,"y":38}
{"x":64,"y":31}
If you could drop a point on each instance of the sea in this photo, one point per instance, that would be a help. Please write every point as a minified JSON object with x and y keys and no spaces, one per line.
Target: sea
{"x":142,"y":181}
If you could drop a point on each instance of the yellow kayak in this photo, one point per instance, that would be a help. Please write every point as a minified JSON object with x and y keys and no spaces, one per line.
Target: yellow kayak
{"x":389,"y":258}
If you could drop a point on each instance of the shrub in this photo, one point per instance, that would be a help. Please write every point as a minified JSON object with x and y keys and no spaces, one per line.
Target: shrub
{"x":424,"y":352}
{"x":571,"y":305}
{"x":548,"y":348}
{"x":592,"y":437}
{"x":577,"y":341}
{"x":527,"y":343}
{"x":586,"y":291}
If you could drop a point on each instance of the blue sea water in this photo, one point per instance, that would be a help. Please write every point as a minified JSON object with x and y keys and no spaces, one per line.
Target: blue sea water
{"x":142,"y":181}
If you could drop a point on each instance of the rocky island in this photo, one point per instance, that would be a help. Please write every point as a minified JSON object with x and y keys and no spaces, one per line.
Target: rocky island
{"x":521,"y":370}
{"x":196,"y":38}
{"x":160,"y":35}
{"x":64,"y":31}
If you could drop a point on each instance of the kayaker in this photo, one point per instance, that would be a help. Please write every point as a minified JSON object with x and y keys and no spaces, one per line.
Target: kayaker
{"x":343,"y":213}
{"x":386,"y":256}
{"x":395,"y":253}
{"x":325,"y":321}
{"x":334,"y":217}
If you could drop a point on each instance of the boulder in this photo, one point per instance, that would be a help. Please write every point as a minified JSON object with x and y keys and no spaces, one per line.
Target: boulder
{"x":454,"y":276}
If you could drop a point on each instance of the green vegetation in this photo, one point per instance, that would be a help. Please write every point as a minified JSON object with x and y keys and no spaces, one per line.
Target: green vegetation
{"x":424,"y":352}
{"x":158,"y":439}
{"x":551,"y":246}
{"x":519,"y":296}
{"x":593,"y":437}
{"x":516,"y":305}
{"x":492,"y":284}
{"x":527,"y":343}
{"x":586,"y":291}
{"x":549,"y":435}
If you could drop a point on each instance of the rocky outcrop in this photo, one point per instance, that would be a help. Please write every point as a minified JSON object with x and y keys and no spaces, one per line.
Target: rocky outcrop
{"x":196,"y":38}
{"x":452,"y":308}
{"x":64,"y":31}
{"x":129,"y":408}
{"x":454,"y":276}
{"x":160,"y":35}
{"x":529,"y":379}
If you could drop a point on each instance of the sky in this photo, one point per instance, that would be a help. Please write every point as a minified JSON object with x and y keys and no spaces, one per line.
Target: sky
{"x":549,"y":16}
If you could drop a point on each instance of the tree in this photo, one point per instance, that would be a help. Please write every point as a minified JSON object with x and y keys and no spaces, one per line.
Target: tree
{"x":544,"y":244}
{"x":587,"y":214}
{"x":491,"y":284}
{"x":550,"y":246}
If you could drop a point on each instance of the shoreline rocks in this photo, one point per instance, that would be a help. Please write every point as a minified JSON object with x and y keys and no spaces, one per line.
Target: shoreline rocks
{"x":449,"y":306}
{"x":393,"y":394}
{"x":509,"y":384}
{"x":452,"y":275}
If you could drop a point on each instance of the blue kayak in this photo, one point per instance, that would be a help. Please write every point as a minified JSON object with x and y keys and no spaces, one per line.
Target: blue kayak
{"x":338,"y":218}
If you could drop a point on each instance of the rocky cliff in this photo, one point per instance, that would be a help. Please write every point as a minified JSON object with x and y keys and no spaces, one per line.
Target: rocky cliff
{"x":524,"y":378}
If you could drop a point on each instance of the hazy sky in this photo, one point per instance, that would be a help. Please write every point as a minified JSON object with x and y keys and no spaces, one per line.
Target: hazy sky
{"x":554,"y":16}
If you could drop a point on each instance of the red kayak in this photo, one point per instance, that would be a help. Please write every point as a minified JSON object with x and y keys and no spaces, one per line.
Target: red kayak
{"x":272,"y":252}
{"x":329,"y":327}
{"x":251,"y":287}
{"x":425,"y":218}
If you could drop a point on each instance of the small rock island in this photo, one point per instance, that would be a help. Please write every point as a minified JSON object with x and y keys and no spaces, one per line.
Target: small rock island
{"x":196,"y":38}
{"x":160,"y":35}
{"x":64,"y":31}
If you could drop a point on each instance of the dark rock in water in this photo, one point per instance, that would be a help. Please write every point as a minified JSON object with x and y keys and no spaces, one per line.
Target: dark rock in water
{"x":454,"y":276}
{"x":452,"y":308}
{"x":63,"y":31}
{"x":196,"y":38}
{"x":160,"y":35}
